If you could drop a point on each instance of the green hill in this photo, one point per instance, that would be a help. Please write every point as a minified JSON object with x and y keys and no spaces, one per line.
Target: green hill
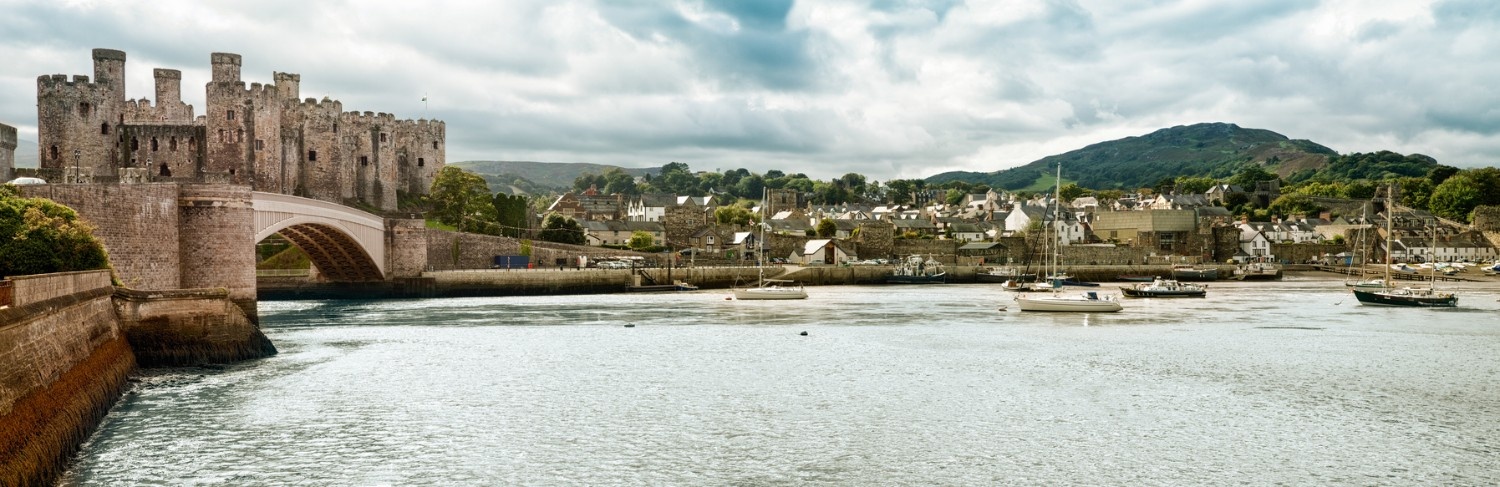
{"x":526,"y":177}
{"x":1216,"y":150}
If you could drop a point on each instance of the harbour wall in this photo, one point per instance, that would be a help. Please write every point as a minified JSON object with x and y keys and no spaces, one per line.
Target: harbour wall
{"x":68,"y":342}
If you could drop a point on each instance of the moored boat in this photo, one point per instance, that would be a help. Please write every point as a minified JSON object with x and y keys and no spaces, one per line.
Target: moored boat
{"x":1258,"y":271}
{"x":1088,"y":302}
{"x":772,"y":289}
{"x":1183,"y":272}
{"x":1165,"y":288}
{"x":1003,"y":274}
{"x":1407,"y":296}
{"x":917,"y":270}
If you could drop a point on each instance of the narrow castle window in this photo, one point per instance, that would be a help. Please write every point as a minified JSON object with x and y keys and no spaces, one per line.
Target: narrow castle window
{"x":171,"y":146}
{"x":83,"y":109}
{"x":259,"y":144}
{"x":364,"y":160}
{"x":104,"y":128}
{"x":192,"y":143}
{"x":434,"y":144}
{"x":52,"y":153}
{"x":154,"y":145}
{"x":239,"y":135}
{"x":135,"y":144}
{"x":335,"y":128}
{"x":421,"y":162}
{"x":382,"y":136}
{"x":221,"y":135}
{"x":229,"y":115}
{"x":312,"y":155}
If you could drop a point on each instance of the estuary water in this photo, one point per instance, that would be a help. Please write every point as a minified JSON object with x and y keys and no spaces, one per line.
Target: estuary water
{"x":1281,"y":383}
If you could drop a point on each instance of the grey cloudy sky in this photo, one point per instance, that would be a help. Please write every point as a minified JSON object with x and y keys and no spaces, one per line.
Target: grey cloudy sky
{"x":887,"y":88}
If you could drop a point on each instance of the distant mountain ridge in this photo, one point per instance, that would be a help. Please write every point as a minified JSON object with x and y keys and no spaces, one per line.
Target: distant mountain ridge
{"x":1216,"y":150}
{"x":529,"y":177}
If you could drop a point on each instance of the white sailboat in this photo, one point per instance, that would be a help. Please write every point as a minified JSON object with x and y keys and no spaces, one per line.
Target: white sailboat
{"x":766,"y":289}
{"x":1089,"y":302}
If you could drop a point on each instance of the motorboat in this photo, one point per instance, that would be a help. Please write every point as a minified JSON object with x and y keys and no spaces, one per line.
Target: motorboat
{"x":917,"y":270}
{"x":1165,"y":288}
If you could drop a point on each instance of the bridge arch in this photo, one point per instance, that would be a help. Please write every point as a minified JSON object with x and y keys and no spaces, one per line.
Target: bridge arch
{"x":345,"y":244}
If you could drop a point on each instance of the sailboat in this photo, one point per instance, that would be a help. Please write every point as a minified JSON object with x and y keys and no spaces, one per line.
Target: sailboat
{"x":768,"y":288}
{"x":1086,"y":302}
{"x":1388,"y":294}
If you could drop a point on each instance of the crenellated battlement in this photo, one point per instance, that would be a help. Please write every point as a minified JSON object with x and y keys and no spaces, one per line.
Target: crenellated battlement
{"x":370,"y":118}
{"x":160,"y":73}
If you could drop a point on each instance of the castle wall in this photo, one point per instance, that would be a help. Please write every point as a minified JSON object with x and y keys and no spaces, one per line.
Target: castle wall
{"x":137,"y":223}
{"x":322,"y":159}
{"x":166,"y":152}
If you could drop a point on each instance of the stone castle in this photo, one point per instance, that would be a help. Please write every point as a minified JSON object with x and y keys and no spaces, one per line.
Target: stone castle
{"x":262,"y":136}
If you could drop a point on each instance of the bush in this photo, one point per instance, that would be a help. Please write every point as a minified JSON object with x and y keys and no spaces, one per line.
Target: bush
{"x":39,"y":236}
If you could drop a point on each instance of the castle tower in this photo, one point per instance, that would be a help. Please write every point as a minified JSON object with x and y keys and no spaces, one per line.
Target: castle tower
{"x":227,"y":158}
{"x":288,"y":85}
{"x":109,"y":69}
{"x":78,"y":120}
{"x":226,"y":67}
{"x":7,"y":152}
{"x":168,"y":86}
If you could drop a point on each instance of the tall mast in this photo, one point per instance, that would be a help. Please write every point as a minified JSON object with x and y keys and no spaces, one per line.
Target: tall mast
{"x":1390,"y":207}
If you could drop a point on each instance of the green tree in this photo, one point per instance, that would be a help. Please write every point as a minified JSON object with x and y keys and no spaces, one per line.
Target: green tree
{"x":39,"y":236}
{"x":617,"y":181}
{"x":1070,"y":191}
{"x":587,"y":180}
{"x":1249,"y":175}
{"x":641,"y":240}
{"x":954,"y":196}
{"x":1194,"y":185}
{"x":1456,"y":198}
{"x":826,"y":228}
{"x":513,"y":214}
{"x":461,"y":199}
{"x":733,"y":215}
{"x":561,"y":229}
{"x":900,"y":190}
{"x":1294,"y":203}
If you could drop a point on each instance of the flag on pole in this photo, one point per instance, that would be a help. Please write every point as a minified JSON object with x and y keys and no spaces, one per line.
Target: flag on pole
{"x":424,"y":98}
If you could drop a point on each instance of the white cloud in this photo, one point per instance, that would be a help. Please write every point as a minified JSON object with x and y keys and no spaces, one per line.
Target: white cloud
{"x":827,"y":87}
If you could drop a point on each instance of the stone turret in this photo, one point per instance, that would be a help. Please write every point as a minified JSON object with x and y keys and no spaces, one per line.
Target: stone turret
{"x":226,"y":67}
{"x":168,"y":85}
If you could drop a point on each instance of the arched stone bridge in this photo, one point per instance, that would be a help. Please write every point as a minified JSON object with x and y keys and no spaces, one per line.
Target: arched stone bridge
{"x":345,"y":244}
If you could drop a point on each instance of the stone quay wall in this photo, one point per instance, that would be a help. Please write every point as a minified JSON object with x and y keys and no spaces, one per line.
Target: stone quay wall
{"x":447,"y":250}
{"x":187,"y":327}
{"x":63,"y":363}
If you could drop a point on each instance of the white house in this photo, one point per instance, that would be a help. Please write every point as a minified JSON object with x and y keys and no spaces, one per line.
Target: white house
{"x":1253,"y":244}
{"x":820,"y":251}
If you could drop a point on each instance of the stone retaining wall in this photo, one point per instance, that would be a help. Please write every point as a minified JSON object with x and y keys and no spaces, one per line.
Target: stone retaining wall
{"x":63,"y":363}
